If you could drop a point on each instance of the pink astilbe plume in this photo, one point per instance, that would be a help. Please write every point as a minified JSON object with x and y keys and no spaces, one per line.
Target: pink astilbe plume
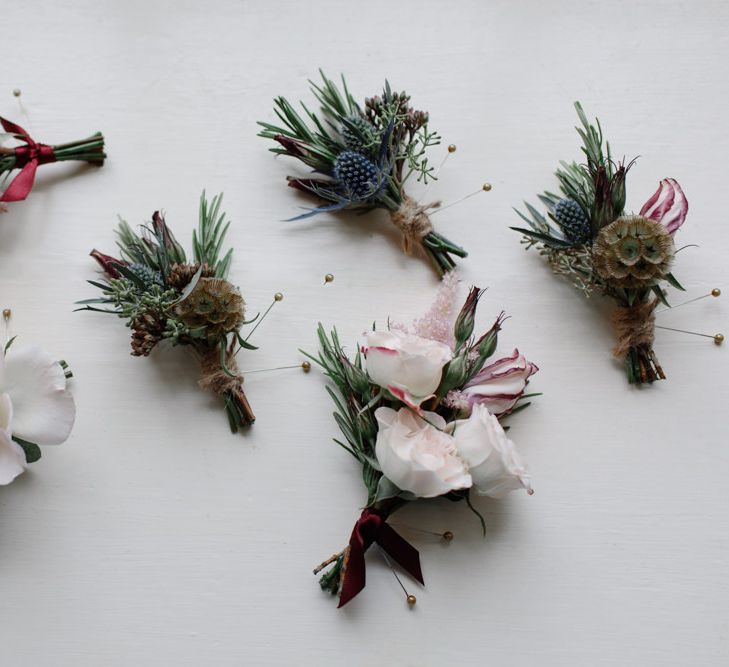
{"x":437,"y":323}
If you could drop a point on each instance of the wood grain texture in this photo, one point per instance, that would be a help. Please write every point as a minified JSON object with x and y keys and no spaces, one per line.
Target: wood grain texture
{"x":154,"y":537}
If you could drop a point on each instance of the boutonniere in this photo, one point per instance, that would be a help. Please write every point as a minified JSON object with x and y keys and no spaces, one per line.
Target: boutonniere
{"x":361,"y":157}
{"x":31,"y":154}
{"x":165,"y":297}
{"x":36,"y":408}
{"x":420,"y":409}
{"x":588,"y":236}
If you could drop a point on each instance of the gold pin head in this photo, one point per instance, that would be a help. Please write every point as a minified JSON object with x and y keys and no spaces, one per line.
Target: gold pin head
{"x":486,"y":187}
{"x":719,"y":339}
{"x":16,"y":92}
{"x":411,"y":600}
{"x":716,"y":292}
{"x":452,"y":148}
{"x":329,"y":278}
{"x":7,"y":313}
{"x":306,"y":366}
{"x":448,"y":536}
{"x":278,"y":296}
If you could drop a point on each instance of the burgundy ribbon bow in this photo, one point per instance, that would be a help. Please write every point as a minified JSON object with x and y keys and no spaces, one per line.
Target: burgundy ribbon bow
{"x":27,"y":159}
{"x":371,"y":529}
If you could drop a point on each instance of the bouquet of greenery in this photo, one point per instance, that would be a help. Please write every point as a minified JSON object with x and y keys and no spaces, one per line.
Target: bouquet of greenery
{"x":164,"y":297}
{"x":362,"y":157}
{"x":587,"y":236}
{"x":30,"y":154}
{"x":420,"y":410}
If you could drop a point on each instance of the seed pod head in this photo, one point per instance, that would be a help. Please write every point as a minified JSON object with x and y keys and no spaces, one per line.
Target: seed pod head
{"x":215,"y":305}
{"x":633,"y":252}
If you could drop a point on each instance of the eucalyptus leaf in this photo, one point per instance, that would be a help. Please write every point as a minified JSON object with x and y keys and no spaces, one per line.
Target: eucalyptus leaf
{"x":223,"y":355}
{"x":244,"y":344}
{"x":661,"y":296}
{"x":191,"y":285}
{"x":31,"y":450}
{"x":539,"y":236}
{"x":130,"y":275}
{"x":671,"y":279}
{"x":8,"y":344}
{"x":386,"y":489}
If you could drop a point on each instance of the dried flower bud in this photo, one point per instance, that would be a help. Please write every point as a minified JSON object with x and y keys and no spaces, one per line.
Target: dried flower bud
{"x":293,"y":147}
{"x":486,"y":345}
{"x":454,"y":375}
{"x":107,"y":262}
{"x":466,"y":318}
{"x":168,"y":238}
{"x":356,"y":377}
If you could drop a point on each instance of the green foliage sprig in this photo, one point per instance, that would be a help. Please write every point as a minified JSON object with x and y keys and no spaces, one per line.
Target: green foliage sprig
{"x":356,"y":399}
{"x":361,"y":156}
{"x":586,"y":236}
{"x":163,"y":296}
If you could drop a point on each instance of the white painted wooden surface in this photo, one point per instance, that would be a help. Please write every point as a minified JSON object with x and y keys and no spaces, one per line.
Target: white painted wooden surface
{"x":154,"y":537}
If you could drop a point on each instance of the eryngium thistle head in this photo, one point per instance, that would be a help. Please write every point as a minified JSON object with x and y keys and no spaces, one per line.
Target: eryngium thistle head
{"x":633,"y":251}
{"x":359,"y":135}
{"x":573,"y":221}
{"x":359,"y":177}
{"x":147,"y":275}
{"x":214,"y":305}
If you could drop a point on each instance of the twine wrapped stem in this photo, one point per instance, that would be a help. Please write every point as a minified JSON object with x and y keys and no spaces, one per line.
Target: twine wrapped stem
{"x":413,"y":221}
{"x":213,"y":378}
{"x":635,"y":330}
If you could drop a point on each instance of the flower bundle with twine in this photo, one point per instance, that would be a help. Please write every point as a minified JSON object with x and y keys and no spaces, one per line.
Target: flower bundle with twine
{"x":362,"y":157}
{"x":164,"y":297}
{"x":587,"y":236}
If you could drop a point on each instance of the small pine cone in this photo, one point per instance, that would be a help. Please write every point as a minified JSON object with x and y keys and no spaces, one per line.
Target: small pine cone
{"x":215,"y":305}
{"x":573,"y":221}
{"x":147,"y":330}
{"x":180,"y":275}
{"x":633,"y":252}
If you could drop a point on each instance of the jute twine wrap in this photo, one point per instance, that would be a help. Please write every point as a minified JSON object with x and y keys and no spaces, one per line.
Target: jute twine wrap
{"x":413,"y":221}
{"x":634,"y":326}
{"x":213,"y":378}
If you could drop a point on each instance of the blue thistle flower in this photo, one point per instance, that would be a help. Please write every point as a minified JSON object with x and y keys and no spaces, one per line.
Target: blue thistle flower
{"x":359,"y":177}
{"x":573,"y":221}
{"x":359,"y":135}
{"x":147,"y":275}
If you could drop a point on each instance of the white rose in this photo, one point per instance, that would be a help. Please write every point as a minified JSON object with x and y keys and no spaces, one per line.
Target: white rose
{"x":408,"y":366}
{"x":492,"y":459}
{"x":12,"y":457}
{"x":34,"y":405}
{"x":416,"y":456}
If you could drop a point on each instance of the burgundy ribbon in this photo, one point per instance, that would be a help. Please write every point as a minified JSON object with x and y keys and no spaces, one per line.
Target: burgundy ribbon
{"x":371,"y":528}
{"x":27,"y":159}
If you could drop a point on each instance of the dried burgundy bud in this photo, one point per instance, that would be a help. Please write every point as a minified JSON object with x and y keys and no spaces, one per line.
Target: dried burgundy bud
{"x":107,"y":263}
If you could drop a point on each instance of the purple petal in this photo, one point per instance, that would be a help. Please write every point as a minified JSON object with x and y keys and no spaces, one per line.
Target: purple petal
{"x":668,"y":205}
